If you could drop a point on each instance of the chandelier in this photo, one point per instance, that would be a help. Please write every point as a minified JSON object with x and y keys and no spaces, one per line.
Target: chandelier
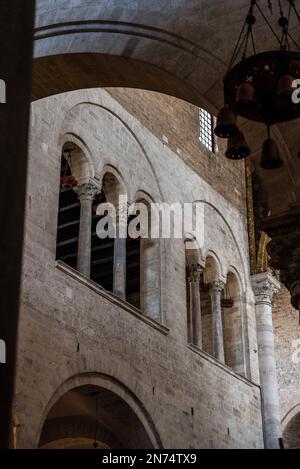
{"x":259,"y":86}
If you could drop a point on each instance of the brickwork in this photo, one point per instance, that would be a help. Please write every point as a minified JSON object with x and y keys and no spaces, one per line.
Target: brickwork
{"x":287,"y":340}
{"x":176,"y":124}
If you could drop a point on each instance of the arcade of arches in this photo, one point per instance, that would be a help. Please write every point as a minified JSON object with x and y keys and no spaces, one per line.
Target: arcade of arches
{"x":126,"y":341}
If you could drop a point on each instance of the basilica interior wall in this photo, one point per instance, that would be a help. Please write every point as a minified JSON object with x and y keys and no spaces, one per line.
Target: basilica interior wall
{"x":71,"y":327}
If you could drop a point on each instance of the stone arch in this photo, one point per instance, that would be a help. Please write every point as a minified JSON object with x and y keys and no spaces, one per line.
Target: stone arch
{"x":112,"y":49}
{"x":212,"y":268}
{"x":76,"y":169}
{"x":291,"y":429}
{"x":293,"y":411}
{"x":114,"y":159}
{"x":118,"y":177}
{"x":113,"y":184}
{"x":78,"y":432}
{"x":206,"y":248}
{"x":88,"y":383}
{"x":192,"y":249}
{"x":84,"y":154}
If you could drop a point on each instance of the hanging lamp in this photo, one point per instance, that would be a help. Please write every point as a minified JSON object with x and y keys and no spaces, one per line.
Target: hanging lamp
{"x":258,"y":86}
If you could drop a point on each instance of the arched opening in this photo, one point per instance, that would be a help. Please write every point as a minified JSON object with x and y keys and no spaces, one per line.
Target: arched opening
{"x":102,"y":251}
{"x":291,"y":434}
{"x":69,"y":207}
{"x":115,"y":256}
{"x":90,"y":417}
{"x":150,"y":261}
{"x":233,"y":325}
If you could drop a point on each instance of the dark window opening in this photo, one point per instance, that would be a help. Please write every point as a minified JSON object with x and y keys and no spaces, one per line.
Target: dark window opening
{"x":102,"y":255}
{"x":68,"y":221}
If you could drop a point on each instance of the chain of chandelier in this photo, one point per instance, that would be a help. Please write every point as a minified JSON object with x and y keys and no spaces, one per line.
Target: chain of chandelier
{"x":259,"y":86}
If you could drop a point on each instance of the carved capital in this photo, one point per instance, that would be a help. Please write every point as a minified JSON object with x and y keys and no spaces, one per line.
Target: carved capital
{"x":194,"y":273}
{"x":87,"y":190}
{"x":217,"y":286}
{"x":264,"y":286}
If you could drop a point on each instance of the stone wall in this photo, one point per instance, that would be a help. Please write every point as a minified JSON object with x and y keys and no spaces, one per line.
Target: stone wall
{"x":287,"y":342}
{"x":176,"y":124}
{"x":70,"y":327}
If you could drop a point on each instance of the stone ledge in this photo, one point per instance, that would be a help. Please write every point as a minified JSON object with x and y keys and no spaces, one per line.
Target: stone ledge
{"x":110,"y":297}
{"x":224,"y":367}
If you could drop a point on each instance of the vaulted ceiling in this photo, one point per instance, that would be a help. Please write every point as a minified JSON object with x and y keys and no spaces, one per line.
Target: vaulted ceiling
{"x":177,"y":47}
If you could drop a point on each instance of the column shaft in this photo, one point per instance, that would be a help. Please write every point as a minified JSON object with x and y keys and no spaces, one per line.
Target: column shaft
{"x":217,"y":326}
{"x":194,"y":273}
{"x":119,"y":287}
{"x":119,"y":271}
{"x":86,"y":193}
{"x":264,"y":286}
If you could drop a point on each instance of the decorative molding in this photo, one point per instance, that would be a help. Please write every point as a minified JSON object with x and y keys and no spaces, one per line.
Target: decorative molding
{"x":141,"y":31}
{"x":111,"y":297}
{"x":206,"y":356}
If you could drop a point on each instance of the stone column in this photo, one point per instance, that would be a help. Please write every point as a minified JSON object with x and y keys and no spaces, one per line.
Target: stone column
{"x":16,"y":40}
{"x":264,"y":286}
{"x":119,"y":271}
{"x":217,"y":328}
{"x":193,"y":277}
{"x":86,"y":193}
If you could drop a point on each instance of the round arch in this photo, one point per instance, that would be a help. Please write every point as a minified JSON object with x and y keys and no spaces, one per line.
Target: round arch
{"x":104,"y":107}
{"x":213,"y":270}
{"x":115,"y":397}
{"x":291,"y":428}
{"x":71,"y":138}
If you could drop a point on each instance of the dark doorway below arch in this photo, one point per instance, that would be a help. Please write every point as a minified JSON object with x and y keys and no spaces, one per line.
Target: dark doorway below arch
{"x":90,"y":415}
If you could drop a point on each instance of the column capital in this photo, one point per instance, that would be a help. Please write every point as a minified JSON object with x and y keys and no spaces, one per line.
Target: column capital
{"x":217,"y":286}
{"x":264,"y":286}
{"x":87,"y":190}
{"x":194,"y":272}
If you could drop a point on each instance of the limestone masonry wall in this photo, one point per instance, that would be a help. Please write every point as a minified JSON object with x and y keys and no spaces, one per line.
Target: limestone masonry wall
{"x":192,"y":400}
{"x":287,"y":342}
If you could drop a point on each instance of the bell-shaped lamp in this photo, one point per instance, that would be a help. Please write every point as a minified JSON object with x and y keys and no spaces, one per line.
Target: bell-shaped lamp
{"x":245,"y":94}
{"x":270,"y":158}
{"x":237,"y":147}
{"x":226,"y":123}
